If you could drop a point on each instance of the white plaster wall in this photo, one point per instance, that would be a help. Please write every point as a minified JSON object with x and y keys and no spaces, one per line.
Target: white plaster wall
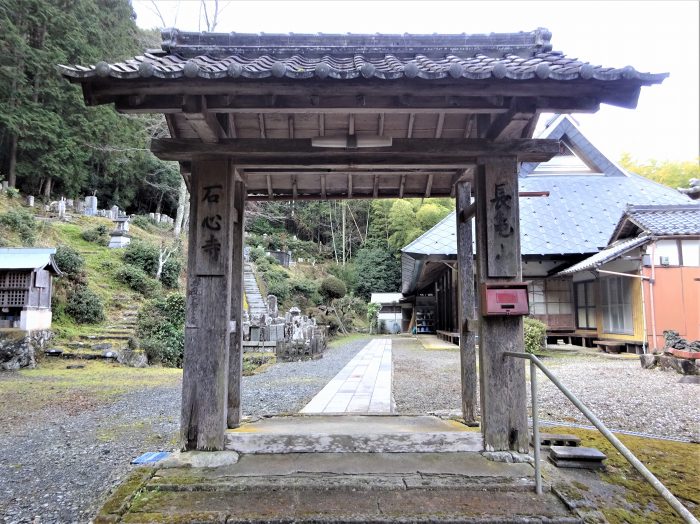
{"x":665,"y":248}
{"x":691,"y":252}
{"x":35,"y":319}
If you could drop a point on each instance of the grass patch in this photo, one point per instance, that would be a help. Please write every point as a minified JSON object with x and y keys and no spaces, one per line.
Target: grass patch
{"x":675,"y":464}
{"x":54,"y":386}
{"x":346,"y":339}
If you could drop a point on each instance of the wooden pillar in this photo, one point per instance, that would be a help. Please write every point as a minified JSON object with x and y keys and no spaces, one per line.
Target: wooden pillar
{"x":207,"y":327}
{"x":503,"y":387}
{"x":467,"y":329}
{"x":236,"y":344}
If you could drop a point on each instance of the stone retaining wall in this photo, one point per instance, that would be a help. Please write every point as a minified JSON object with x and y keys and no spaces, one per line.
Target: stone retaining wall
{"x":18,"y":348}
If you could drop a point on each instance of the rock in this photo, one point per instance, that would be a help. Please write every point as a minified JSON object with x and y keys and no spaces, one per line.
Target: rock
{"x":199,"y":459}
{"x":666,"y":362}
{"x":134,"y":358}
{"x":648,"y":361}
{"x":18,"y":348}
{"x":508,"y":456}
{"x":102,"y":347}
{"x":683,"y":366}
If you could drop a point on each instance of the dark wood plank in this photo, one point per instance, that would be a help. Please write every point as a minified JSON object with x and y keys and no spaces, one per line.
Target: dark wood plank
{"x":444,"y":150}
{"x":206,"y":360}
{"x":502,"y":380}
{"x":236,"y":343}
{"x":467,"y":315}
{"x":502,"y":218}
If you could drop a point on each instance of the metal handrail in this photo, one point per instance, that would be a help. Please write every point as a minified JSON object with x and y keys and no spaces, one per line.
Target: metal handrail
{"x":648,"y":475}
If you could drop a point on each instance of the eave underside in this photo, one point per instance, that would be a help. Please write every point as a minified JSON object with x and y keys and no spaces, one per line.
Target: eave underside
{"x":440,"y":129}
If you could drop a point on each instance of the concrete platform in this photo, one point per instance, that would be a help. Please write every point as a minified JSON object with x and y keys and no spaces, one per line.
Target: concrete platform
{"x":353,"y":434}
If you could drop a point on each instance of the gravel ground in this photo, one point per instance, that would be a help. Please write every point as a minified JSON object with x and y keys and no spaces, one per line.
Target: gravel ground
{"x":57,"y":465}
{"x":622,"y":394}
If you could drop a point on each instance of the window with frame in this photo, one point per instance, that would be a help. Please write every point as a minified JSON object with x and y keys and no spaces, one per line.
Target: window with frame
{"x":616,"y":297}
{"x":550,"y":297}
{"x":585,"y":305}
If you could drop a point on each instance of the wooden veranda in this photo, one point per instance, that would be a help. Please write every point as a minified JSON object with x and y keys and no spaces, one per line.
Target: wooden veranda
{"x":302,"y":117}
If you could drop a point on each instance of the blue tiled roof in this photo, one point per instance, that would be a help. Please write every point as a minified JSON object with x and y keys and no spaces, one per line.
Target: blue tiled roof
{"x":659,"y":220}
{"x":577,"y":217}
{"x":606,"y":255}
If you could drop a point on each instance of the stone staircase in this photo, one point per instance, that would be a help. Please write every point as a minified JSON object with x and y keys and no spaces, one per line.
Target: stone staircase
{"x":256,"y":303}
{"x":107,"y":343}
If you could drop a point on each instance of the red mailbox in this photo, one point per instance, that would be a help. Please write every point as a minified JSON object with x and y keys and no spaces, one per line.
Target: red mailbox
{"x":504,"y":299}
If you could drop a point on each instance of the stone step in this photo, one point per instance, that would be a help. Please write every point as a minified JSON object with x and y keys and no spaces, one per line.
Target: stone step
{"x":338,"y":488}
{"x":353,"y":434}
{"x":557,"y":439}
{"x":105,"y":337}
{"x":576,"y":457}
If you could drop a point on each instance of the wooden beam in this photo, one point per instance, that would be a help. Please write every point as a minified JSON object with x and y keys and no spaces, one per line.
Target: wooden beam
{"x":439,"y":125}
{"x":269,"y":186}
{"x":207,"y":325}
{"x":290,"y":124}
{"x":375,"y":186}
{"x":294,"y":188}
{"x":469,"y":126}
{"x":261,"y":124}
{"x":512,"y":123}
{"x":467,"y":303}
{"x":503,"y":387}
{"x":411,"y":121}
{"x":349,"y":186}
{"x":351,"y":124}
{"x":287,"y":196}
{"x":300,"y":150}
{"x":428,"y":185}
{"x":380,"y":124}
{"x":402,"y":186}
{"x":232,"y":131}
{"x":234,"y":412}
{"x":323,"y":186}
{"x":321,"y":125}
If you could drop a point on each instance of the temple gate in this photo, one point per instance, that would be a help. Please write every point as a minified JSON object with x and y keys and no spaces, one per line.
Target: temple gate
{"x":300,"y":117}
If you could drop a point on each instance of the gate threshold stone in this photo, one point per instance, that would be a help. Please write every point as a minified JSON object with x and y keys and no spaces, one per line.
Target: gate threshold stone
{"x":339,"y":488}
{"x":353,"y":434}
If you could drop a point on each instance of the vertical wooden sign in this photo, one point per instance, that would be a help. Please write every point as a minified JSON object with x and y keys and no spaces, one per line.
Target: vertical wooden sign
{"x":503,"y":232}
{"x":212,"y":222}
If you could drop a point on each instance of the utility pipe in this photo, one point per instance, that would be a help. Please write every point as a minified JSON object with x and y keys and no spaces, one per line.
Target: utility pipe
{"x":651,"y":294}
{"x":641,"y":468}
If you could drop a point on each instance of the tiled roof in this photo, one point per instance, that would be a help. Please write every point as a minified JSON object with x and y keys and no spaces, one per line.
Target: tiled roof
{"x":28,"y":258}
{"x":577,"y":217}
{"x":440,"y":239}
{"x":606,"y":255}
{"x":659,"y":221}
{"x":514,"y":56}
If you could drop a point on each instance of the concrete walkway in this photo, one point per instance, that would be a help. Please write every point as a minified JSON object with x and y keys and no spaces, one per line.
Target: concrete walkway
{"x":362,"y":386}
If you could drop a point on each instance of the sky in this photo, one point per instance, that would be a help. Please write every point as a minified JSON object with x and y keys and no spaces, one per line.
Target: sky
{"x":651,"y":36}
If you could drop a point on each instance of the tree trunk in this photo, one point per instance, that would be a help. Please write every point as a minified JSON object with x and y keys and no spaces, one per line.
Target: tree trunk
{"x":12,"y":174}
{"x":47,"y":189}
{"x":181,"y":206}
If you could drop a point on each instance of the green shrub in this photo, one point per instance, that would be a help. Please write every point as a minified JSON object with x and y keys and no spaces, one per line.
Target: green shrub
{"x":84,"y":306}
{"x":12,"y":192}
{"x":69,"y":262}
{"x":21,"y":222}
{"x":256,"y":253}
{"x":143,"y":256}
{"x":143,"y":222}
{"x":304,"y":292}
{"x":170,"y":275}
{"x":332,"y":287}
{"x":373,"y":316}
{"x":98,"y":235}
{"x":161,"y":329}
{"x":535,"y":335}
{"x":138,"y":280}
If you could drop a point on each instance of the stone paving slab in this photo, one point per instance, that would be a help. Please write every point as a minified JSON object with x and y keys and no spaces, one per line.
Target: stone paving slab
{"x":353,"y":434}
{"x":362,"y":386}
